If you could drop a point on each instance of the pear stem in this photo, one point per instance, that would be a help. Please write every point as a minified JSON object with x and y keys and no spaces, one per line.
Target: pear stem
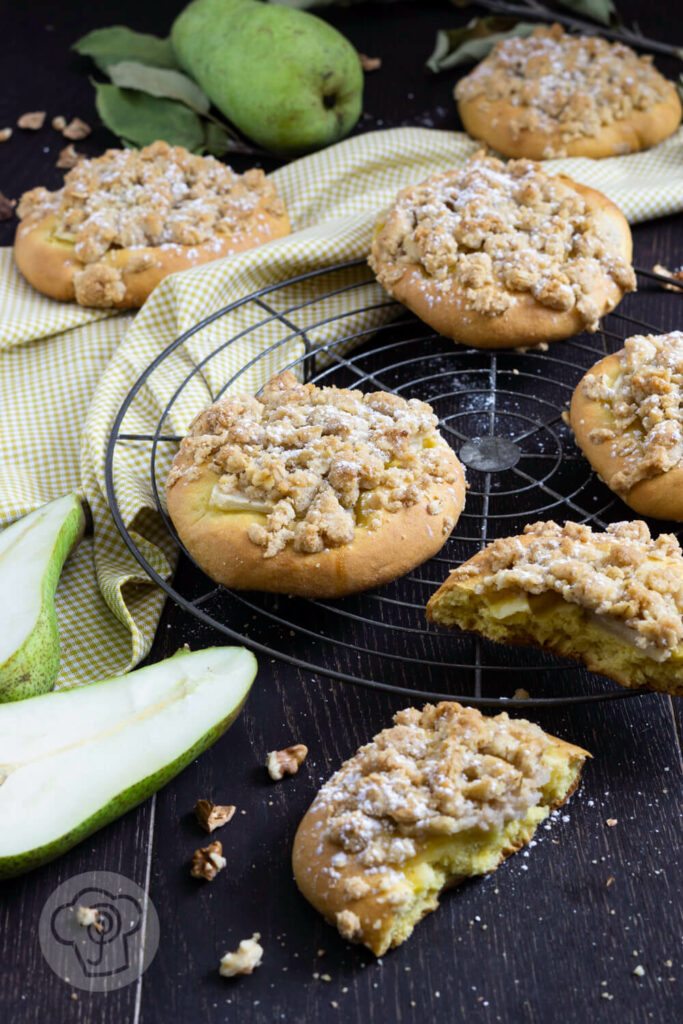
{"x":237,"y":144}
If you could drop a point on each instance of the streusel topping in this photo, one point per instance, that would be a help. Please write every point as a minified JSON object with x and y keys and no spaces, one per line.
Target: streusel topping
{"x":318,"y":462}
{"x":493,"y":230}
{"x":646,"y":402}
{"x":571,"y":85}
{"x":436,"y":772}
{"x":158,"y":196}
{"x":624,"y":573}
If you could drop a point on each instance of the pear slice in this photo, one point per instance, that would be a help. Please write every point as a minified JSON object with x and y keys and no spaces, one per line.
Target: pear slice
{"x":74,"y":760}
{"x":32,"y":553}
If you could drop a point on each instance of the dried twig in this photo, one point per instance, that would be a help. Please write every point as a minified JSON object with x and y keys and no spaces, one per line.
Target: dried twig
{"x":533,"y":9}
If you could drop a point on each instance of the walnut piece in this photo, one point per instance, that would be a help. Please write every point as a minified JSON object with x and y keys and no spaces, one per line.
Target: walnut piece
{"x":6,"y":207}
{"x":212,"y":816}
{"x":87,"y":916}
{"x":286,"y":762}
{"x":5,"y":134}
{"x":566,"y":84}
{"x":32,"y":121}
{"x":68,"y":157}
{"x":244,"y":960}
{"x":76,"y":130}
{"x":58,"y":123}
{"x":369,"y":63}
{"x":208,"y":861}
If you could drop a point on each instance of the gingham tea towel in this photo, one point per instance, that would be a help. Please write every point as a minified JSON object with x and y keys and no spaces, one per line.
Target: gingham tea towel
{"x":65,"y":371}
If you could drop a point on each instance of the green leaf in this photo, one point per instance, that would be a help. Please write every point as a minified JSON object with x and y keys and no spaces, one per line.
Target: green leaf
{"x":474,"y":42}
{"x":112,"y":45}
{"x":603,"y":11}
{"x":172,"y":85}
{"x":216,"y":139}
{"x":143,"y":119}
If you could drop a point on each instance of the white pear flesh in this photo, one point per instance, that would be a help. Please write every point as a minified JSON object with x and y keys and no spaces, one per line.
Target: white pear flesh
{"x":32,"y":552}
{"x":74,"y":760}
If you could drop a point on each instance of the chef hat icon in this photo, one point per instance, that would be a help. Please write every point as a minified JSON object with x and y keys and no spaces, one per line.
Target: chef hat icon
{"x":102,"y":949}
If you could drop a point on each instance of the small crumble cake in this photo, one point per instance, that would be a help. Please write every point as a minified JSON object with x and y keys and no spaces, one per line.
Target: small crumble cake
{"x":125,"y":220}
{"x":445,"y":794}
{"x":627,"y":415}
{"x":554,"y":95}
{"x":613,"y":600}
{"x":313,"y":491}
{"x":498,"y":255}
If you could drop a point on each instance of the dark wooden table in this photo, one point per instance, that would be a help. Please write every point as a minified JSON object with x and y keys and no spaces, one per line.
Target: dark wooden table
{"x":552,"y":937}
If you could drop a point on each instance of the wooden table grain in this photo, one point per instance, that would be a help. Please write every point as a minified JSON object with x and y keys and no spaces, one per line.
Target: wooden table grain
{"x":555,"y":934}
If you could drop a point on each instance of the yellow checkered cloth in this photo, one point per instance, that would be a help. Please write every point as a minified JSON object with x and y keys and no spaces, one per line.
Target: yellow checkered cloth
{"x":65,"y":371}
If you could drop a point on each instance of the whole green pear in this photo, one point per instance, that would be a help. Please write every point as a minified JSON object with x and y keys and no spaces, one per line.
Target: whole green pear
{"x":286,"y":79}
{"x":32,"y":552}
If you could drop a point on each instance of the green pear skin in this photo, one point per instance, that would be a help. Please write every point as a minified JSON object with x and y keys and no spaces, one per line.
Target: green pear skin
{"x":286,"y":79}
{"x":32,"y":553}
{"x":74,"y":760}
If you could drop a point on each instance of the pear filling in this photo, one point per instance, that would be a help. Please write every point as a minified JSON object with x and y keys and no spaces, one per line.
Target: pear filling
{"x":233,"y":501}
{"x":588,"y":584}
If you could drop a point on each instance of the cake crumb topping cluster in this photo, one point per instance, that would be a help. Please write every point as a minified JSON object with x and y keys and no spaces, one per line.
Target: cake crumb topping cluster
{"x":624,"y":573}
{"x":436,"y":772}
{"x":318,"y":462}
{"x":160,"y":196}
{"x":646,"y":404}
{"x":564,"y":86}
{"x":493,"y":230}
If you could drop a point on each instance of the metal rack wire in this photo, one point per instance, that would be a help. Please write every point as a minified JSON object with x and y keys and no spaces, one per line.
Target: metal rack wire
{"x":502,"y":411}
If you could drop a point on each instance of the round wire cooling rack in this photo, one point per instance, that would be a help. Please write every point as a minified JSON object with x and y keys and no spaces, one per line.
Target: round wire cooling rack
{"x":502,"y":412}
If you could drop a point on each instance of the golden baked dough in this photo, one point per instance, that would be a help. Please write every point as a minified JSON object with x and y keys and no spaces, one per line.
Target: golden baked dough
{"x":613,"y":600}
{"x":318,"y":492}
{"x":444,"y":795}
{"x":554,"y":94}
{"x":124,"y":221}
{"x":498,"y":255}
{"x":627,"y":415}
